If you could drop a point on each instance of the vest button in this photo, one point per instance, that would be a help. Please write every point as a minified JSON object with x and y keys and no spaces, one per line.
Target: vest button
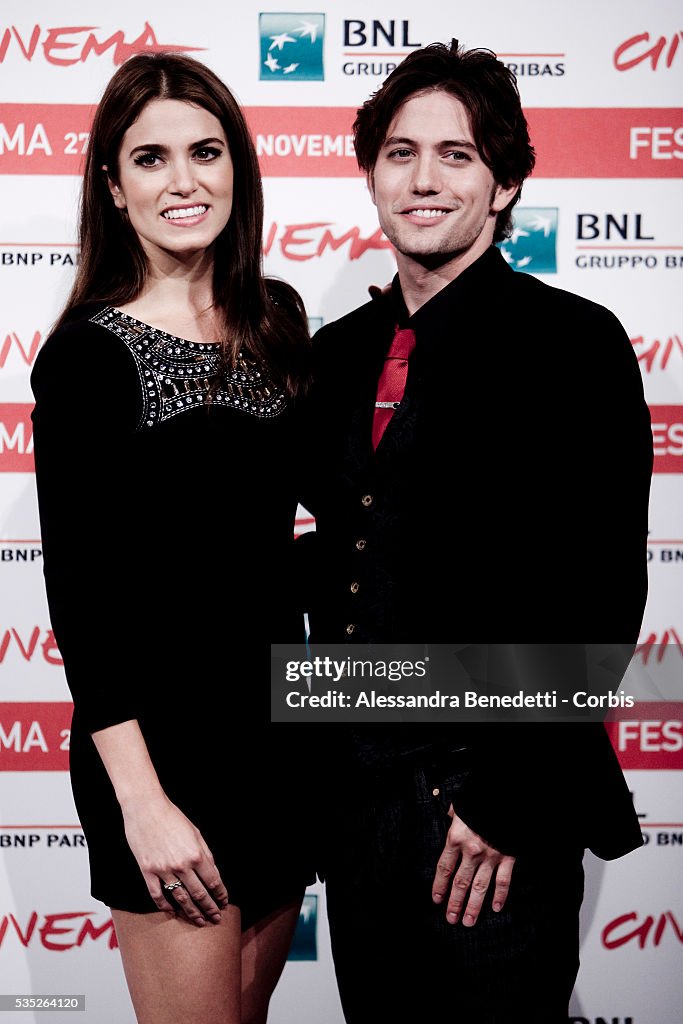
{"x":360,"y":543}
{"x":367,"y":500}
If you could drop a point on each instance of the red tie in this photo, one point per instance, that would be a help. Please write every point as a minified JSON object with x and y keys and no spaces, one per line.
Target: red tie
{"x":392,"y":381}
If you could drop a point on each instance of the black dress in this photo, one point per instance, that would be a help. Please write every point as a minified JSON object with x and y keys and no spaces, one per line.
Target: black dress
{"x":167,"y":529}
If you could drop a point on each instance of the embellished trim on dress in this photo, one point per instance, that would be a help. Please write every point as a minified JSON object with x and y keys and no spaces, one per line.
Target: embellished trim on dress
{"x":176,"y":374}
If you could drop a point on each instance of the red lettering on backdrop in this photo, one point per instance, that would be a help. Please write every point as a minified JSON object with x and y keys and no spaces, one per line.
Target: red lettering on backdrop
{"x":270,"y":238}
{"x":16,"y":437}
{"x":24,"y":937}
{"x":27,"y":649}
{"x":638,"y":142}
{"x":91,"y":931}
{"x":667,"y":435}
{"x":659,"y":353}
{"x":27,"y":51}
{"x":652,"y":53}
{"x":28,"y":354}
{"x":50,"y":928}
{"x":291,"y":238}
{"x":648,"y":736}
{"x":50,"y":650}
{"x":358,"y":245}
{"x":669,"y":639}
{"x":35,"y":736}
{"x":613,"y":936}
{"x":54,"y":44}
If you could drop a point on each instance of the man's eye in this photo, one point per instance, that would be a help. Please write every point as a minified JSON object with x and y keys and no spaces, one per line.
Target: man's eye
{"x":401,"y":153}
{"x":457,"y":155}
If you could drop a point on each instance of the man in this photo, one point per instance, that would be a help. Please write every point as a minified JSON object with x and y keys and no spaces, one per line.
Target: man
{"x":505,"y":494}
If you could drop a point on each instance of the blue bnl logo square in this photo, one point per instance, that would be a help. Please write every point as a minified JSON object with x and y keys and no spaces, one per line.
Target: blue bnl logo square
{"x":304,"y":945}
{"x":292,"y":47}
{"x":532,"y":246}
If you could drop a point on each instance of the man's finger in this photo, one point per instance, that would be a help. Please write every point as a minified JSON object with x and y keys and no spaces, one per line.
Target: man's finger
{"x":444,"y":872}
{"x":478,"y":890}
{"x":462,"y":881}
{"x":503,"y":879}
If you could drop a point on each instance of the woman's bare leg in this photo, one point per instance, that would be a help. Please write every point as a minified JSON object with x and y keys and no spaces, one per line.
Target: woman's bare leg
{"x":264,"y":953}
{"x":177,"y":972}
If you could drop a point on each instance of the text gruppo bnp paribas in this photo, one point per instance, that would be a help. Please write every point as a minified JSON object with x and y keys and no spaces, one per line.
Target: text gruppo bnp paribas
{"x":403,"y":671}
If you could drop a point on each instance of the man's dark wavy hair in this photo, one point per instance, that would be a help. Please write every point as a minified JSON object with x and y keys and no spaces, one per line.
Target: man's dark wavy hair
{"x":486,"y":88}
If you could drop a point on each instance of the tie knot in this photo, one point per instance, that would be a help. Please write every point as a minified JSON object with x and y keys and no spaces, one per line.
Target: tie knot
{"x":402,"y":344}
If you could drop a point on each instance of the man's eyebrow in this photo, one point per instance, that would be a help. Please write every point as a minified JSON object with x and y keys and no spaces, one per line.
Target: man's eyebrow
{"x":396,"y":140}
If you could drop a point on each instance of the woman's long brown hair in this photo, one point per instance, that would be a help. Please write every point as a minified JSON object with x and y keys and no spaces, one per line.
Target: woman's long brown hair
{"x":264,"y":318}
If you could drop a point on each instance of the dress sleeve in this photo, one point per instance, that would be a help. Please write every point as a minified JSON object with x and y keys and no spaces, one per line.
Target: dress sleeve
{"x":87,"y":403}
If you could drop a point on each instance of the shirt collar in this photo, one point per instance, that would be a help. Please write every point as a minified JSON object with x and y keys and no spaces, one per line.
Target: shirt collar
{"x":469,"y":281}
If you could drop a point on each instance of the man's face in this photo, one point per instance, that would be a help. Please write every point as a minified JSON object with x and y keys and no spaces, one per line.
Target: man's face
{"x":436,"y":199}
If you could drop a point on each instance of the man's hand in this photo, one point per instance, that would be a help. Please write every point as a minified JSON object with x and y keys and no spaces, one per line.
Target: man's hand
{"x":476,"y":863}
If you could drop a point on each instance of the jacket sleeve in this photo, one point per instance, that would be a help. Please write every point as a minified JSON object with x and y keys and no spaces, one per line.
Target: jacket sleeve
{"x":533,"y":782}
{"x":551,"y":785}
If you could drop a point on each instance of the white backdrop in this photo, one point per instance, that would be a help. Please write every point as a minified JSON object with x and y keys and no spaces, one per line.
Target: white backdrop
{"x":600,"y":84}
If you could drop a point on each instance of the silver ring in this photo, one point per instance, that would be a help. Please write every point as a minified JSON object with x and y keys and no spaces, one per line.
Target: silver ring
{"x":170,"y":886}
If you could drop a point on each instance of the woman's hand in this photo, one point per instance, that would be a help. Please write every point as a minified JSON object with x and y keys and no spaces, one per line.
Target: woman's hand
{"x":166,"y":845}
{"x":170,"y":849}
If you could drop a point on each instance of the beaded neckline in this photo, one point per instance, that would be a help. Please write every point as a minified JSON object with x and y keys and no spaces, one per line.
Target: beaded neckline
{"x":144,"y":328}
{"x":177,"y":374}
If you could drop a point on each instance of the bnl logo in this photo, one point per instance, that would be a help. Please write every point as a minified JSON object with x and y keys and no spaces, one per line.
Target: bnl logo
{"x":304,"y":945}
{"x":532,"y":244}
{"x":292,"y":47}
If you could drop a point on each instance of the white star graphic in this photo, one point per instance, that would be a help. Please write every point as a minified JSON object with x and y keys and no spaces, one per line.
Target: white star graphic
{"x":280,"y":41}
{"x":308,"y":29}
{"x":518,"y":233}
{"x":524,"y":261}
{"x":290,"y":67}
{"x":507,"y":255}
{"x":271,"y":62}
{"x":541,"y":224}
{"x":306,"y":912}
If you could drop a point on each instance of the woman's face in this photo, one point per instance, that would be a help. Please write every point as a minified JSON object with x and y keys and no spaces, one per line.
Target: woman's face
{"x":175,"y":178}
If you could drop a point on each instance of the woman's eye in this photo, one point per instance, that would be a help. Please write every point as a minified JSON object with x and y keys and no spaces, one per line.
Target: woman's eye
{"x":146,"y":159}
{"x":207,"y":153}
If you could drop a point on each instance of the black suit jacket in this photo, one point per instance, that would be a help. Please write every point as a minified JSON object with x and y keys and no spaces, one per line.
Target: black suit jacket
{"x":508,"y":498}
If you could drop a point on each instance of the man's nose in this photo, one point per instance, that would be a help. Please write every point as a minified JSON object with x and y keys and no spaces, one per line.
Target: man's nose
{"x":426,"y":175}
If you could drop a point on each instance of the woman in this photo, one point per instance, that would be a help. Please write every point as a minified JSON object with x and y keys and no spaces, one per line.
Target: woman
{"x":165,"y":444}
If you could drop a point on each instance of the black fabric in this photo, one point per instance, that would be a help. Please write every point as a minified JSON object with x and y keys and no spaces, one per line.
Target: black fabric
{"x":167,"y":564}
{"x":508,"y":499}
{"x":397,"y":957}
